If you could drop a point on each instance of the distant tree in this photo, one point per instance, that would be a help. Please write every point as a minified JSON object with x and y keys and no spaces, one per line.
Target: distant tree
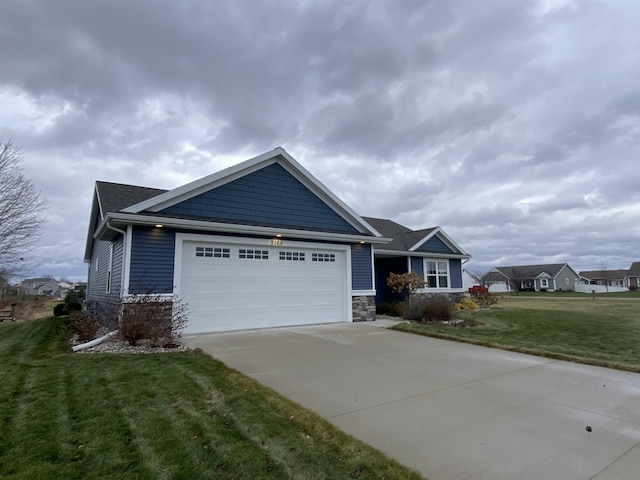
{"x":22,"y":211}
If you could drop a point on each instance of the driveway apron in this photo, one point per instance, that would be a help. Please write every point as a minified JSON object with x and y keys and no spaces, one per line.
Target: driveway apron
{"x":450,"y":410}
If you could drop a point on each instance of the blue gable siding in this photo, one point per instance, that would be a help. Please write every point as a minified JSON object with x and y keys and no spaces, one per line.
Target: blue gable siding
{"x":269,"y":196}
{"x":361,"y":267}
{"x":152,"y":260}
{"x":455,"y":265}
{"x":434,"y":245}
{"x":417,"y":265}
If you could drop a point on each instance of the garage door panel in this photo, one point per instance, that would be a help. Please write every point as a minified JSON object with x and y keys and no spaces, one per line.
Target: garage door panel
{"x":280,"y":287}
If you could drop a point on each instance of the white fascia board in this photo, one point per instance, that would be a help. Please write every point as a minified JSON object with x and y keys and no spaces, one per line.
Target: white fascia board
{"x":132,"y":219}
{"x":437,"y":231}
{"x":403,"y":253}
{"x":254,"y":164}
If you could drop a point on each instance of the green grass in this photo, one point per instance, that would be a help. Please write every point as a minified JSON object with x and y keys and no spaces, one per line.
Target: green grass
{"x":158,"y":416}
{"x":602,"y":332}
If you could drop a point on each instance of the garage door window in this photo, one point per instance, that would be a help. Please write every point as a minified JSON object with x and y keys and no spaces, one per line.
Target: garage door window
{"x":323,"y":257}
{"x":255,"y":254}
{"x":213,"y":252}
{"x":292,"y":256}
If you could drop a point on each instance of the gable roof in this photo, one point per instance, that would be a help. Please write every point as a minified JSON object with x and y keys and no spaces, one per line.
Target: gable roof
{"x":634,"y":270}
{"x":117,"y":205}
{"x":530,"y":271}
{"x":604,"y":274}
{"x":405,"y":240}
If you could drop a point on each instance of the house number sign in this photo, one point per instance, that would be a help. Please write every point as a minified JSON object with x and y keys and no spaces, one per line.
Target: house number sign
{"x":277,"y":242}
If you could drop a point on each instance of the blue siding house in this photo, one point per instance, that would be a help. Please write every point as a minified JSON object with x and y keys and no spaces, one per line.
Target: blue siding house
{"x":259,"y":244}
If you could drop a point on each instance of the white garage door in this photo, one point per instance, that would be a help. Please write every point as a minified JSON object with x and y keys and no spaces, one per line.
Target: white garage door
{"x":235,"y":284}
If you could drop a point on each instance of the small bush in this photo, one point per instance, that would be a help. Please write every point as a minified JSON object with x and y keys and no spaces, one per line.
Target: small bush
{"x":430,"y":311}
{"x":60,"y":309}
{"x":85,"y":325}
{"x":465,"y":304}
{"x":152,"y":317}
{"x":74,"y":307}
{"x":483,"y":298}
{"x":395,"y":309}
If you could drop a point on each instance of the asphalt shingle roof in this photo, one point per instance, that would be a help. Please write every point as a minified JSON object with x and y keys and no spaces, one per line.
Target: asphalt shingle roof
{"x":114,"y":197}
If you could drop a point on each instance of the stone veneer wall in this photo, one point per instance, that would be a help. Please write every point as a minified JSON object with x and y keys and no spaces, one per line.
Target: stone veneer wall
{"x":453,"y":297}
{"x":364,"y":308}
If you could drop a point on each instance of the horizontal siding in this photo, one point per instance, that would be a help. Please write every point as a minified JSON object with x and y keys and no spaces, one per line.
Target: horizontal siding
{"x":152,"y":260}
{"x":269,"y":196}
{"x":434,"y":245}
{"x":97,"y":280}
{"x":361,"y":267}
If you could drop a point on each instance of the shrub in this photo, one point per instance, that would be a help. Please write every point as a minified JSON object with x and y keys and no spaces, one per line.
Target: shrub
{"x":152,"y":317}
{"x":84,"y":324}
{"x":60,"y":309}
{"x":74,"y":307}
{"x":483,"y":298}
{"x":430,"y":311}
{"x":465,"y":304}
{"x":394,"y":309}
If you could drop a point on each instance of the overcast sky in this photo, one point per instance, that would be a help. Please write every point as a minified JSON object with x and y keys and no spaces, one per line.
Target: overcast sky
{"x":513,"y":125}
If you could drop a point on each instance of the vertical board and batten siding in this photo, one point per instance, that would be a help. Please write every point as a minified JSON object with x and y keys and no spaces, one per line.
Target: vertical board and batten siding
{"x":434,"y":245}
{"x":269,"y":196}
{"x":417,"y":265}
{"x":455,"y":272}
{"x":361,"y":267}
{"x":152,"y":260}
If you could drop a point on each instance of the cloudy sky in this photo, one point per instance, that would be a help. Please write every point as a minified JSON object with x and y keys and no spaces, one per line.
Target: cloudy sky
{"x":513,"y":125}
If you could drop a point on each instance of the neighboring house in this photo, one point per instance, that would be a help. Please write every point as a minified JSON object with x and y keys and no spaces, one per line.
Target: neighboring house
{"x":429,"y":252}
{"x":470,"y":279}
{"x":40,"y":286}
{"x":607,"y":278}
{"x":632,"y":280}
{"x":260,"y":244}
{"x":551,"y":277}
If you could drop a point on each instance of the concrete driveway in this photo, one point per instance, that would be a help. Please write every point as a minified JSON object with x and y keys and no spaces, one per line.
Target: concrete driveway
{"x":449,"y":410}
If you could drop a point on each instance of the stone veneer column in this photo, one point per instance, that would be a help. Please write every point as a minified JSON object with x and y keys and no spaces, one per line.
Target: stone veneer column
{"x":364,"y":308}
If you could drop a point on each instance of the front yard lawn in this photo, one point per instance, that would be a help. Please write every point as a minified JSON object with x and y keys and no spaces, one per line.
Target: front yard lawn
{"x":598,"y":332}
{"x":157,"y":416}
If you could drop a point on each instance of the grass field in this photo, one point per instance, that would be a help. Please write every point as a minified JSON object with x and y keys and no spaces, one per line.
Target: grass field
{"x":157,"y":416}
{"x":600,"y":332}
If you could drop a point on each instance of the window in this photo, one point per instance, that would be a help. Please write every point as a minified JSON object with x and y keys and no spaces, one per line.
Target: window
{"x":544,"y":283}
{"x":437,"y":273}
{"x":292,"y":256}
{"x":256,"y":254}
{"x":97,"y":269}
{"x":566,"y":281}
{"x":213,"y":252}
{"x":109,"y":267}
{"x":323,"y":257}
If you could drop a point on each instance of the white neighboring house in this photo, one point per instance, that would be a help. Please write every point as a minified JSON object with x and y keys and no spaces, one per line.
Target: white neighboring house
{"x":470,"y":280}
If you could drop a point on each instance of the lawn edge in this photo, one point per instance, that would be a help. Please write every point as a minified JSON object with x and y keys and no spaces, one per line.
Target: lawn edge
{"x":529,"y":351}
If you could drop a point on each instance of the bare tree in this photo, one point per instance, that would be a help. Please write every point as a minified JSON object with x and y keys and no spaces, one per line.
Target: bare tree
{"x":22,"y":212}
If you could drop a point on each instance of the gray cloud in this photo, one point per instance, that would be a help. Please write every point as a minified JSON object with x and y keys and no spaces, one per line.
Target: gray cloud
{"x":513,"y":125}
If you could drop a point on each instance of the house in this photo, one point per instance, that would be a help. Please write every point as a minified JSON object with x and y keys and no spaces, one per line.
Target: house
{"x":470,"y":279}
{"x":260,"y":244}
{"x":40,"y":286}
{"x":431,"y":253}
{"x":606,"y":278}
{"x":551,"y":277}
{"x":632,"y":279}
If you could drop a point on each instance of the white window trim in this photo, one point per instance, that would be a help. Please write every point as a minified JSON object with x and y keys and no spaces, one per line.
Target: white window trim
{"x":424,"y":275}
{"x":544,"y":283}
